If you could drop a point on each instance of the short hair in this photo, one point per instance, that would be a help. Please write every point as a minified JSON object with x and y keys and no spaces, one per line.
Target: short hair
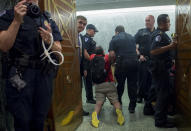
{"x":81,"y":17}
{"x":151,"y":16}
{"x":99,"y":50}
{"x":120,"y":28}
{"x":162,"y":18}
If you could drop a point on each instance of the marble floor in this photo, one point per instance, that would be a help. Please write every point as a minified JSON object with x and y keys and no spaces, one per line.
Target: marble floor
{"x":134,"y":122}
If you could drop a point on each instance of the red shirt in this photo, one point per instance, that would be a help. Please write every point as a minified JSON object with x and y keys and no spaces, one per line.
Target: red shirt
{"x":109,"y":77}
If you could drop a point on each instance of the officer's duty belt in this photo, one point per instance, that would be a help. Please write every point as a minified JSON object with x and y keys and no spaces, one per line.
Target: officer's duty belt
{"x":28,"y":63}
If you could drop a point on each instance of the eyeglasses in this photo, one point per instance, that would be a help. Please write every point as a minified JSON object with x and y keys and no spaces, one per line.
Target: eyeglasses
{"x":82,"y":23}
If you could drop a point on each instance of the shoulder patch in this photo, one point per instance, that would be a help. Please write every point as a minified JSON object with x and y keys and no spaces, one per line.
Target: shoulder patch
{"x":86,"y":39}
{"x":2,"y":12}
{"x":158,"y":38}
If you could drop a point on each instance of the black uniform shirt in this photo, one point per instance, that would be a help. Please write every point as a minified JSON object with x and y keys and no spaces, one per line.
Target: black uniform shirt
{"x":143,"y":39}
{"x":160,"y":39}
{"x":27,"y":40}
{"x":123,"y":44}
{"x":89,"y":44}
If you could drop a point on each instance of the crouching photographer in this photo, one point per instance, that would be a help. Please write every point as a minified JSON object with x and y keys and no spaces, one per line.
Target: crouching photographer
{"x":31,"y":41}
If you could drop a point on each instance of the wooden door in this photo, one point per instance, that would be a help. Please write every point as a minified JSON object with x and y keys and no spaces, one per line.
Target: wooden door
{"x":67,"y":89}
{"x":183,"y":63}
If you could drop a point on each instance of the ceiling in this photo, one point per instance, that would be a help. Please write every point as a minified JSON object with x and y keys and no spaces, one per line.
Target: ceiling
{"x":83,"y":5}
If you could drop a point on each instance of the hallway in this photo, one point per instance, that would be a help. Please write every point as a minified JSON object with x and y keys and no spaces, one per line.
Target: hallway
{"x":134,"y":122}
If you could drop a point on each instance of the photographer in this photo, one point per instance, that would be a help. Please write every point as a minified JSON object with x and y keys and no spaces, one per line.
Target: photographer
{"x":29,"y":78}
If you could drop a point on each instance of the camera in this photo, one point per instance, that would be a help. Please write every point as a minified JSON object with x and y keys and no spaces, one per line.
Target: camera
{"x":33,"y":10}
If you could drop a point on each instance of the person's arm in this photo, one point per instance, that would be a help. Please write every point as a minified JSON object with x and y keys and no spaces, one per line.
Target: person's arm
{"x":163,"y":49}
{"x":86,"y":55}
{"x":7,"y":37}
{"x":111,"y":50}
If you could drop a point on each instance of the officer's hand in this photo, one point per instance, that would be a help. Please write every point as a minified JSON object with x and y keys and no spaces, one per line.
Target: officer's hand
{"x":85,"y":73}
{"x":174,"y":44}
{"x":174,"y":41}
{"x":142,"y":58}
{"x":46,"y":34}
{"x":19,"y":11}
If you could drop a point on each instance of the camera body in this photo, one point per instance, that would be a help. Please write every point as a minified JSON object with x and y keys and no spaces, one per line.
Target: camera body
{"x":33,"y":10}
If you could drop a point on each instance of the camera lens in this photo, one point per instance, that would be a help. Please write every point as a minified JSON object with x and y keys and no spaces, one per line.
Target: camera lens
{"x":35,"y":9}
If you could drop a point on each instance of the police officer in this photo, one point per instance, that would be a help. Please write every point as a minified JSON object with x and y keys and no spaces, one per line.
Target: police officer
{"x":161,"y":62}
{"x":90,"y":46}
{"x":123,"y":48}
{"x":143,"y":40}
{"x":29,"y":79}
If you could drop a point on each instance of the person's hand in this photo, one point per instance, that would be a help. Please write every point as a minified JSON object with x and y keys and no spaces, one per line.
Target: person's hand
{"x":142,"y":58}
{"x":46,"y":34}
{"x":85,"y":73}
{"x":20,"y":11}
{"x":174,"y":42}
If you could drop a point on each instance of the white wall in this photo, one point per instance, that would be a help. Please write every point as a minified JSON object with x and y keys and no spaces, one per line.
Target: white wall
{"x":131,"y":18}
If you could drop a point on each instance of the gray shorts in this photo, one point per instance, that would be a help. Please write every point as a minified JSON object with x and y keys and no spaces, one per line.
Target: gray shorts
{"x":106,"y":89}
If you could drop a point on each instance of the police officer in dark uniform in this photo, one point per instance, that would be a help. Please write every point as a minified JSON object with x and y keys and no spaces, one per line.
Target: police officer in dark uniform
{"x":123,"y":48}
{"x":29,"y":78}
{"x":161,"y":62}
{"x":90,"y":46}
{"x":143,"y":40}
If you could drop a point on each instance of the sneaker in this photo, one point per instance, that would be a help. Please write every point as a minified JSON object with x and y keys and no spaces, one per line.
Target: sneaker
{"x":95,"y":121}
{"x":68,"y":119}
{"x":120,"y":117}
{"x":91,"y":101}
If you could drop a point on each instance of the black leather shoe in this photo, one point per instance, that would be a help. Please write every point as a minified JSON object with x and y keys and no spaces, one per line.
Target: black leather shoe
{"x":166,"y":125}
{"x":131,"y":110}
{"x":139,"y":100}
{"x":148,"y":111}
{"x":84,"y":113}
{"x":91,"y":101}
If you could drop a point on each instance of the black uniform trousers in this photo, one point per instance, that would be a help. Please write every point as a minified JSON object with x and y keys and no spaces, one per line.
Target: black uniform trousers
{"x":162,"y":96}
{"x":88,"y":85}
{"x":151,"y":94}
{"x":30,"y":105}
{"x":144,"y":80}
{"x":127,"y":70}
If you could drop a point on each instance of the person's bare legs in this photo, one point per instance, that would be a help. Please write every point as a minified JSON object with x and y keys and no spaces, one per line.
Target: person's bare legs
{"x":120,"y":117}
{"x":98,"y":106}
{"x":117,"y":105}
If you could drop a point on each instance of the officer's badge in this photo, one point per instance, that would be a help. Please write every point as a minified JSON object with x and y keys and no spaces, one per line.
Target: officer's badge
{"x":86,"y":39}
{"x":2,"y":12}
{"x":158,"y":38}
{"x":46,"y":23}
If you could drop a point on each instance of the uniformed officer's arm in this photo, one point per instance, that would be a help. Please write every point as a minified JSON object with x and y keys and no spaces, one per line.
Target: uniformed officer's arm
{"x":112,"y":50}
{"x":112,"y":56}
{"x":7,"y":37}
{"x":86,"y":55}
{"x":137,"y":49}
{"x":163,"y":49}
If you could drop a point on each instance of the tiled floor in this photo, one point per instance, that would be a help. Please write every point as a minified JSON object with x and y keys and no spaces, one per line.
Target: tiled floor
{"x":134,"y":122}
